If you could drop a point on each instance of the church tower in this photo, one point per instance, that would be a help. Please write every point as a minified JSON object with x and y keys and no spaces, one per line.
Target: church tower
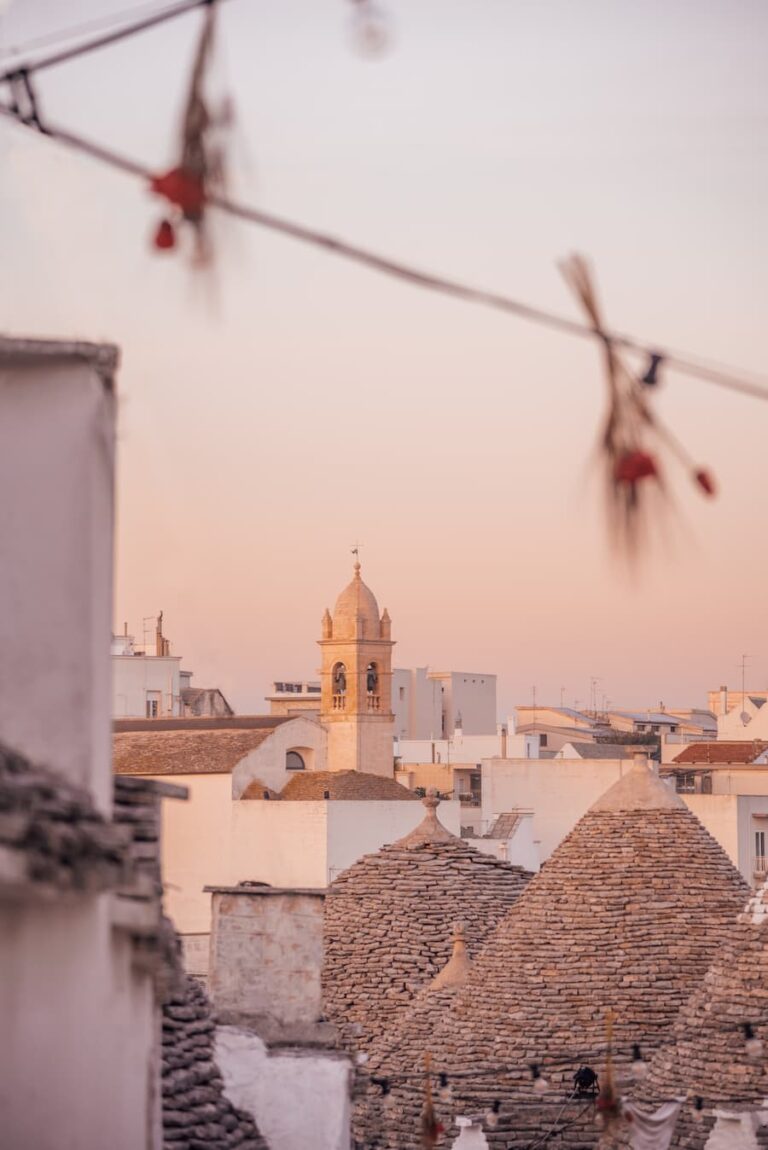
{"x":356,"y":676}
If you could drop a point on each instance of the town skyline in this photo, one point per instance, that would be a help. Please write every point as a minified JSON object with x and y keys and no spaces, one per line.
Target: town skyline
{"x":458,"y":445}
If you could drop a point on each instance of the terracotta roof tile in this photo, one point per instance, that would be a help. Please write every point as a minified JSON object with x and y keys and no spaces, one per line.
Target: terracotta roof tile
{"x":722,"y":752}
{"x":184,"y":752}
{"x":343,"y":785}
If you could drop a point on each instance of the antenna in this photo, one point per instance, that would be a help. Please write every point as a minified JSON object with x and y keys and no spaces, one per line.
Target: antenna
{"x":745,"y":718}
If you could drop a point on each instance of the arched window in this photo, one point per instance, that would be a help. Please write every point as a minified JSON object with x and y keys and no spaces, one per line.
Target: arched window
{"x":339,"y":687}
{"x":294,"y":761}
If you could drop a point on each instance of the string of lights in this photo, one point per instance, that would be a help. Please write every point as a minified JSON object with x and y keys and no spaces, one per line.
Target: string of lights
{"x":631,"y":1055}
{"x":26,"y":112}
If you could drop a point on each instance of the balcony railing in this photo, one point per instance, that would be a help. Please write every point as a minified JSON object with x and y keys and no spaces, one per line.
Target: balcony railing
{"x":759,"y":865}
{"x":339,"y":702}
{"x":374,"y":702}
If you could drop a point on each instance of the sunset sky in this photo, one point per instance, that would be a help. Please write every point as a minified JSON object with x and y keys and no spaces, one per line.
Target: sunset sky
{"x":285,"y":405}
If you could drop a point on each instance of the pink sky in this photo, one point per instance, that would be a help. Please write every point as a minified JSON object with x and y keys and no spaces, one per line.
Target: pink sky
{"x":305,"y":404}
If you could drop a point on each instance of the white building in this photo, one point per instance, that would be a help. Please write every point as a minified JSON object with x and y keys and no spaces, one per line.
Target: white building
{"x":78,"y":1057}
{"x":148,"y":685}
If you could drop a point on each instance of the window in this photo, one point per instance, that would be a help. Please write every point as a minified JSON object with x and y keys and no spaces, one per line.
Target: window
{"x":543,"y":740}
{"x":153,"y":704}
{"x":294,"y":761}
{"x":706,"y":784}
{"x":760,"y":859}
{"x":402,"y":693}
{"x":685,"y":782}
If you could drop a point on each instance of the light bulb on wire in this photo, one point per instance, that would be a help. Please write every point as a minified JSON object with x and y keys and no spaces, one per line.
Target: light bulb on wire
{"x":752,"y":1044}
{"x":371,"y":29}
{"x":639,"y":1065}
{"x":445,"y":1090}
{"x":540,"y":1084}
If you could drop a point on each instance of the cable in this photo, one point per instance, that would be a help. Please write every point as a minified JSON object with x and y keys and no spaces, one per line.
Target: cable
{"x":104,"y":41}
{"x":63,"y":34}
{"x":683,"y":363}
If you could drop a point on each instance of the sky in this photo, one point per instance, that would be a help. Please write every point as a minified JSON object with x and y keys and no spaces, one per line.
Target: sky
{"x":284,"y":405}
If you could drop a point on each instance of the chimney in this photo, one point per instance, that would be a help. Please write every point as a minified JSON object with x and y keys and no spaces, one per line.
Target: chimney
{"x":723,"y":700}
{"x":162,"y":645}
{"x":266,"y":961}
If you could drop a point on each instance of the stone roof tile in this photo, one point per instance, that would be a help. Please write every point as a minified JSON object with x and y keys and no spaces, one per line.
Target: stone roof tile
{"x":628,"y":913}
{"x":389,"y":924}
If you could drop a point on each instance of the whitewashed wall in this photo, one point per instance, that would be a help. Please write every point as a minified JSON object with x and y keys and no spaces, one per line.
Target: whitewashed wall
{"x":134,"y":675}
{"x":213,"y":840}
{"x":77,"y":1019}
{"x":299,"y":1098}
{"x":78,"y":1032}
{"x":267,"y":762}
{"x":558,"y":791}
{"x":56,"y":526}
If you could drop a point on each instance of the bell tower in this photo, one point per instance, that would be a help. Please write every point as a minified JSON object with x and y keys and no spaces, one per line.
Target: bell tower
{"x":356,"y":678}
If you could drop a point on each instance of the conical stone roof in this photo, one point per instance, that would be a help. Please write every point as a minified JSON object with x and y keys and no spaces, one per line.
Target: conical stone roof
{"x":627,"y":914}
{"x":706,"y":1055}
{"x":389,"y":922}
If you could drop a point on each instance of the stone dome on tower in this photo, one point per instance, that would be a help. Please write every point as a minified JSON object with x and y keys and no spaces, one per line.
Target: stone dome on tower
{"x":356,"y":603}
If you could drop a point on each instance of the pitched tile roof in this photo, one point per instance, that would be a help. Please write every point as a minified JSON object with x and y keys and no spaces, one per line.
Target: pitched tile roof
{"x":743,"y":751}
{"x":389,"y":922}
{"x":604,"y":750}
{"x":617,"y":917}
{"x":343,"y":785}
{"x":197,"y":751}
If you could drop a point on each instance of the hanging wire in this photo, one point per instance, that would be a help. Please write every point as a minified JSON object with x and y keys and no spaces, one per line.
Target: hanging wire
{"x":685,"y":364}
{"x":61,"y":35}
{"x":109,"y":38}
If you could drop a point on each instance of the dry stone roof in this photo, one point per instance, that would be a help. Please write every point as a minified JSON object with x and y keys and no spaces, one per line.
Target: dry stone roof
{"x":51,"y":832}
{"x":627,"y":914}
{"x":706,"y":1054}
{"x":389,"y":921}
{"x":196,"y":1113}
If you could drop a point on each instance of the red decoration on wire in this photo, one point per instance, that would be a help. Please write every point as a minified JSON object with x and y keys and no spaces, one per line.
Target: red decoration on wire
{"x":633,"y":466}
{"x":706,"y":482}
{"x":165,"y":236}
{"x":183,"y":189}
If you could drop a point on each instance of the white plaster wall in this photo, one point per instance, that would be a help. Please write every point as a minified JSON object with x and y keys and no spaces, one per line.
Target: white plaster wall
{"x":196,"y":848}
{"x":719,"y":815}
{"x":282,"y":843}
{"x":752,"y":781}
{"x":464,"y":749}
{"x":77,"y":1031}
{"x":267,"y":762}
{"x":473,"y":696}
{"x":521,"y":849}
{"x":213,"y":840}
{"x":56,"y":519}
{"x":731,"y":726}
{"x":558,"y":791}
{"x":299,"y":1098}
{"x":134,"y":675}
{"x":359,"y":828}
